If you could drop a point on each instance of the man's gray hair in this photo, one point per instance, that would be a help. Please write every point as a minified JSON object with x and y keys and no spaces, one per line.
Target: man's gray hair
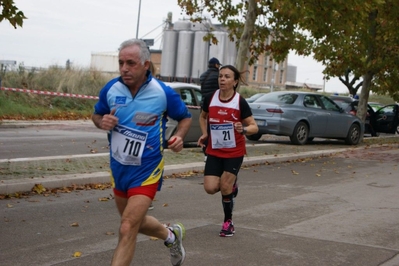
{"x":144,"y":51}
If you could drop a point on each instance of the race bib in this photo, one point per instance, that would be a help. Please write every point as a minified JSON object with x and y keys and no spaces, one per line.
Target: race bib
{"x":222,"y":136}
{"x":127,"y":145}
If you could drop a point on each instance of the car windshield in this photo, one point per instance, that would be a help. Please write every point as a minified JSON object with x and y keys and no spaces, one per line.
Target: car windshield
{"x":288,"y":98}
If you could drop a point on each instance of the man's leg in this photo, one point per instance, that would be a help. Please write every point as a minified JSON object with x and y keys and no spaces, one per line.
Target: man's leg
{"x":133,"y":212}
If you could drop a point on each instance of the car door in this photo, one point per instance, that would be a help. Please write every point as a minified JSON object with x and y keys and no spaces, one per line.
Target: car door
{"x":315,"y":114}
{"x":192,"y":98}
{"x":386,"y":119}
{"x":337,"y":120}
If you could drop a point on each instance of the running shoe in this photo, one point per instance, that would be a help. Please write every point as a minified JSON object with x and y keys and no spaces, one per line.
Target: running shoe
{"x":227,"y":229}
{"x":151,"y":207}
{"x":177,"y":252}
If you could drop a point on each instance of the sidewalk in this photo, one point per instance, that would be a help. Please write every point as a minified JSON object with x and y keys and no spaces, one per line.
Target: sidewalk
{"x":176,"y":164}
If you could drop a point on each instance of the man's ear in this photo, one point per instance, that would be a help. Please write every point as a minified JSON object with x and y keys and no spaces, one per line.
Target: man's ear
{"x":147,"y":65}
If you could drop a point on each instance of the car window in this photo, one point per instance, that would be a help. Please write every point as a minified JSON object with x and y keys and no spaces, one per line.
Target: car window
{"x":288,"y":98}
{"x":311,"y":101}
{"x":198,"y":95}
{"x":188,"y":97}
{"x":329,"y":104}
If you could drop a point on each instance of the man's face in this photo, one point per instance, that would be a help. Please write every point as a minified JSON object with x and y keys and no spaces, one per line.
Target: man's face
{"x":133,"y":73}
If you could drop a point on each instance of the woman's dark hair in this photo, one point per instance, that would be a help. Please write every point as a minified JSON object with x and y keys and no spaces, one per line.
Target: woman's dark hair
{"x":237,"y":74}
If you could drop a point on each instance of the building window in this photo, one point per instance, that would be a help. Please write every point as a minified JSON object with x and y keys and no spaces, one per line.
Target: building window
{"x":255,"y":73}
{"x":281,"y":76}
{"x":265,"y":74}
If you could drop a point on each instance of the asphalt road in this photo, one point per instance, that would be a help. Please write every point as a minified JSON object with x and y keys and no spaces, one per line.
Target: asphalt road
{"x":29,"y":140}
{"x":338,"y":210}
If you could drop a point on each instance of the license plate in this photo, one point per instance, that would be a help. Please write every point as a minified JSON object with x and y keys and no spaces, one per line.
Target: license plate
{"x":261,"y":122}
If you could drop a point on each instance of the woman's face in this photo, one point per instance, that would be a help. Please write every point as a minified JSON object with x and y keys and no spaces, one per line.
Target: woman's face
{"x":226,"y":79}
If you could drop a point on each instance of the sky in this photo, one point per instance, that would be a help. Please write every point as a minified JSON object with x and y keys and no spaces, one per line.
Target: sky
{"x":61,"y":30}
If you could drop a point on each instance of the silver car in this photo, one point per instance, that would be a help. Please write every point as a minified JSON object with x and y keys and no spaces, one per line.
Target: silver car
{"x":191,"y":96}
{"x":303,"y":116}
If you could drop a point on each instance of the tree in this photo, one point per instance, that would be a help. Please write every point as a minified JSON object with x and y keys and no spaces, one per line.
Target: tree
{"x":347,"y":34}
{"x":360,"y":35}
{"x":11,"y":13}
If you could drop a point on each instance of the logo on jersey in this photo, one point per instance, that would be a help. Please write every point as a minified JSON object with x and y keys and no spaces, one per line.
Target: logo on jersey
{"x":120,"y":100}
{"x":145,"y":119}
{"x":222,"y":112}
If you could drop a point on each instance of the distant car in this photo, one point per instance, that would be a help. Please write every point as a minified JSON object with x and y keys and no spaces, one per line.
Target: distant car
{"x":303,"y":116}
{"x":254,"y":97}
{"x":379,"y":119}
{"x":191,"y":96}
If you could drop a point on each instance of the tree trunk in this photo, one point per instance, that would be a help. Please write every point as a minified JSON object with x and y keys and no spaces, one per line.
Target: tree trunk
{"x":246,"y":36}
{"x":364,"y":97}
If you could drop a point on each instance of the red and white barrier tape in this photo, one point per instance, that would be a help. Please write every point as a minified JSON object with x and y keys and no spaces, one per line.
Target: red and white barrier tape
{"x":50,"y":93}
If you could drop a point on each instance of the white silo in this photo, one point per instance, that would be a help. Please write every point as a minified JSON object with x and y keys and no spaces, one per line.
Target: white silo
{"x":169,"y":52}
{"x":231,"y":53}
{"x":200,"y":55}
{"x":219,"y":50}
{"x":184,"y":55}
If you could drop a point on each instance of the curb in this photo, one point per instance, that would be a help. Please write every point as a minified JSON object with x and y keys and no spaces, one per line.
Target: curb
{"x":22,"y":185}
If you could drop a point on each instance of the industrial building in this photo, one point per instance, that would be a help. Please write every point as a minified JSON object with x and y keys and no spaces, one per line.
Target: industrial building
{"x":185,"y":54}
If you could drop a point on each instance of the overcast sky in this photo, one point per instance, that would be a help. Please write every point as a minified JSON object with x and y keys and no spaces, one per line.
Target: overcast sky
{"x":58,"y":30}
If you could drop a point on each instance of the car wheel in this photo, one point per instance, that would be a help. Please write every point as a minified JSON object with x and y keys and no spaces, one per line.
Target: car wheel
{"x":254,"y":137}
{"x":300,"y":135}
{"x":353,"y":136}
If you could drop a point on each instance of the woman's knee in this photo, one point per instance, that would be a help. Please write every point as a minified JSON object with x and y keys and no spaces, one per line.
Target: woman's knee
{"x":211,"y":190}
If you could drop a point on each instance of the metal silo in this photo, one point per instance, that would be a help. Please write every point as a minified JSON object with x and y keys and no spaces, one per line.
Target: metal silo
{"x":219,"y":51}
{"x":231,"y":53}
{"x":184,"y":55}
{"x":169,"y":52}
{"x":200,"y":55}
{"x":182,"y":25}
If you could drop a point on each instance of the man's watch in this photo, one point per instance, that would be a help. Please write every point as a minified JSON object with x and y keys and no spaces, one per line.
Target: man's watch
{"x":244,"y":131}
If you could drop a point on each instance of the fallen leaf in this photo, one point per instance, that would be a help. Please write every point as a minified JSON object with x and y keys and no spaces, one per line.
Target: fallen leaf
{"x":9,"y":206}
{"x":153,"y":238}
{"x":75,"y":224}
{"x":77,"y":254}
{"x":295,"y":173}
{"x":165,"y":205}
{"x":38,"y":188}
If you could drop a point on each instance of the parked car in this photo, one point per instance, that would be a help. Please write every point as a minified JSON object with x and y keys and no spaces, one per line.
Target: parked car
{"x":375,"y":105}
{"x":303,"y":116}
{"x":191,"y":96}
{"x":254,"y":97}
{"x":382,"y":119}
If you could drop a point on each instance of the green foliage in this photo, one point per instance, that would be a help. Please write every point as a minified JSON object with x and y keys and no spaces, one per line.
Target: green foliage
{"x":11,"y":13}
{"x":357,"y":35}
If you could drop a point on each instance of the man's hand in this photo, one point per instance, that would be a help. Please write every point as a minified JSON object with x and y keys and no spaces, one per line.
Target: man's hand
{"x":175,"y":143}
{"x":109,"y":121}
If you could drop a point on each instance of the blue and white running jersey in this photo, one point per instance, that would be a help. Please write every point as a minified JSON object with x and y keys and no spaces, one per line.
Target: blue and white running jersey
{"x":136,"y":152}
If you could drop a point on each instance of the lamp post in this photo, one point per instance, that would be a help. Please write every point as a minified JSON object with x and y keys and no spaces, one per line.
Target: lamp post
{"x":138,"y":21}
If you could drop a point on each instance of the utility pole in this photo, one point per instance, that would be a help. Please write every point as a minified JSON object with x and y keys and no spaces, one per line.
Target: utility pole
{"x":138,"y":21}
